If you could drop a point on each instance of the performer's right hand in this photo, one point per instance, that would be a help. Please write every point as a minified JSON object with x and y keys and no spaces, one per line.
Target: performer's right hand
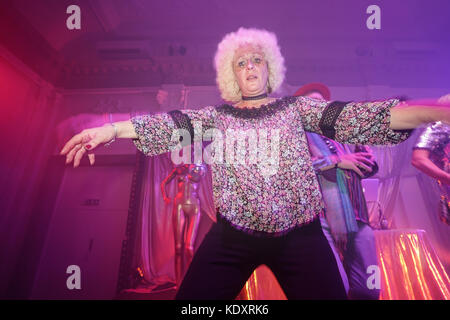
{"x":86,"y":141}
{"x":357,"y":161}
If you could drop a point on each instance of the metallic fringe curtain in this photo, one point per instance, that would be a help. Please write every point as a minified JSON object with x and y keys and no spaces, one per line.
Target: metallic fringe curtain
{"x":409,"y":270}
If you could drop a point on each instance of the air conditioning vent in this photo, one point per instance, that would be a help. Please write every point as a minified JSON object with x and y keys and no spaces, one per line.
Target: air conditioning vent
{"x":120,"y":54}
{"x":122,"y":50}
{"x":415,"y":50}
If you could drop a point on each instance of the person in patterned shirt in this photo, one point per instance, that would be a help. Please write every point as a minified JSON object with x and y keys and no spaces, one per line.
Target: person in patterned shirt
{"x":264,"y":187}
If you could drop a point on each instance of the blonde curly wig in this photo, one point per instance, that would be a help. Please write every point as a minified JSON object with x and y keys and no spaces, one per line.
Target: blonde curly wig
{"x":223,"y":60}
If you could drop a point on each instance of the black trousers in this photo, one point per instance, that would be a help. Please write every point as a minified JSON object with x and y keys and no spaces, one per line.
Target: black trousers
{"x":301,"y":260}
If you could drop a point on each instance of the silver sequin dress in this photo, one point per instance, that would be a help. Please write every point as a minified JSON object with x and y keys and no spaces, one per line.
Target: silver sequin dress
{"x":435,"y":138}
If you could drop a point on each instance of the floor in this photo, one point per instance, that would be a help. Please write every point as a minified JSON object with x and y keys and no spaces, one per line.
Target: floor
{"x":161,"y":292}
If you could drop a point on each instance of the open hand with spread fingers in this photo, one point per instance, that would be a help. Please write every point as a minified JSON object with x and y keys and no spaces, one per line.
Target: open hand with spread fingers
{"x":89,"y":139}
{"x":86,"y":141}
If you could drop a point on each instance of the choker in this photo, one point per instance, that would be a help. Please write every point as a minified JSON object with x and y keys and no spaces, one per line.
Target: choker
{"x":261,"y":96}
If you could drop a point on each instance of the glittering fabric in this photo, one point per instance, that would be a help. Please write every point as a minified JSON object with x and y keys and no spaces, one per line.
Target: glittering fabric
{"x":276,"y":189}
{"x":435,"y":138}
{"x":342,"y":200}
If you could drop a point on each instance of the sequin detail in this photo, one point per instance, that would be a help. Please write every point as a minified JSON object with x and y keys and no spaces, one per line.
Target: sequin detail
{"x":435,"y":138}
{"x":276,"y":203}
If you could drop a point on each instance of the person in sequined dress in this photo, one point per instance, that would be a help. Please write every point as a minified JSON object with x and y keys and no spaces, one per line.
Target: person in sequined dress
{"x":345,"y":223}
{"x":431,"y":155}
{"x":268,"y":202}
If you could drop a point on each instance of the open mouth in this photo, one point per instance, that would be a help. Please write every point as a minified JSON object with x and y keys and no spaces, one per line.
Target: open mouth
{"x":252,"y":77}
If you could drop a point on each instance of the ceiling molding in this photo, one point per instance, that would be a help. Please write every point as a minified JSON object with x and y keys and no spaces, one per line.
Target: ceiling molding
{"x":28,"y":45}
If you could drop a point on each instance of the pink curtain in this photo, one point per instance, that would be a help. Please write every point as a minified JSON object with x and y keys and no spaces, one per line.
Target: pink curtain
{"x":29,"y":110}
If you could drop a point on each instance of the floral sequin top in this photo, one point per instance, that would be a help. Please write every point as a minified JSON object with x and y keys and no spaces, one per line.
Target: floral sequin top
{"x":268,"y":197}
{"x":435,"y":138}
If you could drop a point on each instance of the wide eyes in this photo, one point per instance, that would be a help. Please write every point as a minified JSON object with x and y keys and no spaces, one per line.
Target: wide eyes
{"x":242,"y":63}
{"x":256,"y":60}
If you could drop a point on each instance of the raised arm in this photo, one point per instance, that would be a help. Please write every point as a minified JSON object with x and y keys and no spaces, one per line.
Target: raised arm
{"x":433,"y":142}
{"x":421,"y":160}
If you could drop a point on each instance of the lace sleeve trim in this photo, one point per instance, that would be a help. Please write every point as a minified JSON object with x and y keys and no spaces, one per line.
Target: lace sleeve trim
{"x":182,"y":121}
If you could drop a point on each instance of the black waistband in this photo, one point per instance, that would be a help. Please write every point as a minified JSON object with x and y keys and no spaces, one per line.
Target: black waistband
{"x":315,"y":223}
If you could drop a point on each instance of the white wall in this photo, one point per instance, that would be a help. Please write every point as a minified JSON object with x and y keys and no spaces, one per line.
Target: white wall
{"x":88,"y":236}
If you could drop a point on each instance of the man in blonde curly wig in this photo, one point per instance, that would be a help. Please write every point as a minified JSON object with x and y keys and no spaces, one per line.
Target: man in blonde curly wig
{"x":264,"y":40}
{"x":264,"y":216}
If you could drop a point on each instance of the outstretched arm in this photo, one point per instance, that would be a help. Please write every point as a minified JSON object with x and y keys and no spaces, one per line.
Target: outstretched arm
{"x":411,"y":115}
{"x":421,"y":160}
{"x":89,"y":139}
{"x":369,"y":123}
{"x":152,"y":134}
